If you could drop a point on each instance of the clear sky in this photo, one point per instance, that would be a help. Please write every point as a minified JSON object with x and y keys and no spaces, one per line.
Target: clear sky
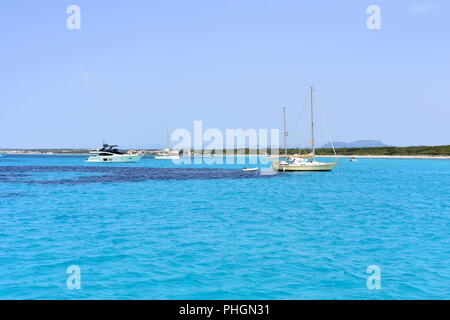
{"x":136,"y":65}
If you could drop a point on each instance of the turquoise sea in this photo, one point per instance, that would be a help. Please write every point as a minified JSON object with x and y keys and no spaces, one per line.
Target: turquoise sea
{"x":156,"y":230}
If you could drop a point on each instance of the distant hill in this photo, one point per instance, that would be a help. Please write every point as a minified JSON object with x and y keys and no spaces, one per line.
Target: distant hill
{"x":356,"y":144}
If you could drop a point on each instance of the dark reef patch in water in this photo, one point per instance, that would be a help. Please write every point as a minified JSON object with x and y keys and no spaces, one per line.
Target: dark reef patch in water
{"x":10,"y":177}
{"x":121,"y":174}
{"x":12,"y":194}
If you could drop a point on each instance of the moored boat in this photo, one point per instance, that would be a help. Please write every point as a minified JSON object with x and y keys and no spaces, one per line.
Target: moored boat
{"x":168,"y":154}
{"x":302,"y":164}
{"x":111,"y":154}
{"x":307,"y":162}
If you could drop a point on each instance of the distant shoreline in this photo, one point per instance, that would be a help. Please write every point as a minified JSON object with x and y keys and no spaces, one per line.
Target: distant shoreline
{"x":414,"y":152}
{"x":443,"y":157}
{"x":44,"y":154}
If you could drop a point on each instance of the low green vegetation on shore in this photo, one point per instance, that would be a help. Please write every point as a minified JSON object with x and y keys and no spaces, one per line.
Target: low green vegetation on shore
{"x":370,"y":151}
{"x":384,"y":151}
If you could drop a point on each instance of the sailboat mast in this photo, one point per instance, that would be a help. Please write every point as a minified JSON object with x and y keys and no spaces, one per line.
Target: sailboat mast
{"x":312,"y":122}
{"x":285,"y":131}
{"x":167,"y":136}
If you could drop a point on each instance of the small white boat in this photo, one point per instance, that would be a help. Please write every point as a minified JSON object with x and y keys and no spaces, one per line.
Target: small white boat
{"x":110,"y":154}
{"x":250,"y":169}
{"x":167,"y":157}
{"x":353,"y":159}
{"x":168,"y":154}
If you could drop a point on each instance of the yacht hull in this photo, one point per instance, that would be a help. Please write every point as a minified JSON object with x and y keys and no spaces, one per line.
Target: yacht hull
{"x":321,"y":166}
{"x":115,"y":159}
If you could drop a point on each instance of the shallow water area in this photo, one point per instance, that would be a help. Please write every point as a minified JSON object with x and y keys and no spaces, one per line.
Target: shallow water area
{"x":160,"y":230}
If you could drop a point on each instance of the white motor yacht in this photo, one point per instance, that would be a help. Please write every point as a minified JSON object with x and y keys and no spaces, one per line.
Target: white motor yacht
{"x":110,"y":153}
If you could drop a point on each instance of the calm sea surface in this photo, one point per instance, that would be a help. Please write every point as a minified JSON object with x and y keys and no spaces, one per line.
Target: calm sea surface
{"x":156,"y":230}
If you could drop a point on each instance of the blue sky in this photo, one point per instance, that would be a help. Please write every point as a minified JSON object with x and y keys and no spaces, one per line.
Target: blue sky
{"x":136,"y":65}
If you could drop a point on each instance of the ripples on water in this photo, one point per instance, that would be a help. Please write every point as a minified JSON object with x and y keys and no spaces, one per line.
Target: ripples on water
{"x":162,"y":231}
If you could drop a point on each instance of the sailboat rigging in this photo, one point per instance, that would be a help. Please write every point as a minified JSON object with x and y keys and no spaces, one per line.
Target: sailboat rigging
{"x":307,"y":162}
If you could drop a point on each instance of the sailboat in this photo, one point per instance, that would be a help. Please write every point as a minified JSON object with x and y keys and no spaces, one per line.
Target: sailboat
{"x":167,"y":153}
{"x":306,"y":162}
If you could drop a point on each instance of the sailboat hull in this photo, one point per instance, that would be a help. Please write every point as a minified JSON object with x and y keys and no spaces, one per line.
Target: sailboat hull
{"x":318,"y":166}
